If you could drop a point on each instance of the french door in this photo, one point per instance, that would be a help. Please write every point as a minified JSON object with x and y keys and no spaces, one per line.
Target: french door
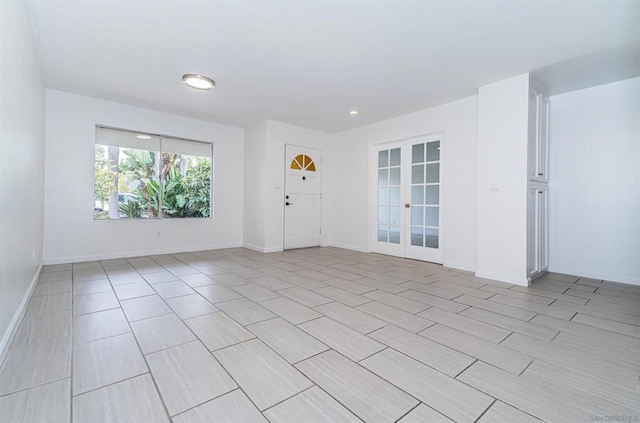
{"x":406,"y":192}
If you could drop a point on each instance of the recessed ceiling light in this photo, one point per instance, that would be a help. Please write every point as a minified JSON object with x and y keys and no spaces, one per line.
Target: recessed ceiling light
{"x":353,"y":112}
{"x":199,"y":82}
{"x":143,"y":137}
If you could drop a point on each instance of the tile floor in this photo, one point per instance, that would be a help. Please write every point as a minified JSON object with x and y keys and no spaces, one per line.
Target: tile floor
{"x":318,"y":335}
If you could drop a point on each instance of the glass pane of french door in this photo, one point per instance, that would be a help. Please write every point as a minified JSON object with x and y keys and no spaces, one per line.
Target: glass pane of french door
{"x":425,"y":194}
{"x":388,"y":188}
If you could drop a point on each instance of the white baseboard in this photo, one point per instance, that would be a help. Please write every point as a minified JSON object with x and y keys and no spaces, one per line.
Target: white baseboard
{"x":595,"y":275}
{"x":262,"y":249}
{"x":347,"y":247}
{"x":126,"y":254}
{"x":503,"y":278}
{"x":10,"y":333}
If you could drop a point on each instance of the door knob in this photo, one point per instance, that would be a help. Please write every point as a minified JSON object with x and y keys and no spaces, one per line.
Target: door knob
{"x":288,"y":204}
{"x":407,"y":205}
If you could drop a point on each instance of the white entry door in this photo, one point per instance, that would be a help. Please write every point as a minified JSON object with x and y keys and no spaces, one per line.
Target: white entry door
{"x":407,"y":196}
{"x":302,"y":197}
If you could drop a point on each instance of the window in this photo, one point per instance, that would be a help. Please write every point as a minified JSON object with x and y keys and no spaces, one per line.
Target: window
{"x":142,"y":176}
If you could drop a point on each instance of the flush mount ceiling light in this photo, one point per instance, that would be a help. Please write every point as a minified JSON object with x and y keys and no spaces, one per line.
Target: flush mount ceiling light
{"x":143,"y":137}
{"x":353,"y":112}
{"x":199,"y":82}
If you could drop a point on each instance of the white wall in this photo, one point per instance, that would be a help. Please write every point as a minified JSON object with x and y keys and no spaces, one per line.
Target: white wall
{"x":21,"y":165}
{"x":349,"y":164}
{"x":255,"y":152}
{"x":594,"y":204}
{"x":502,"y":163}
{"x":71,"y":234}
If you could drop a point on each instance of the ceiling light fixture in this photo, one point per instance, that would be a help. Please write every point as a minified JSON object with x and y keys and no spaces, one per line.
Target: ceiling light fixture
{"x":353,"y":112}
{"x":143,"y":137}
{"x":199,"y":82}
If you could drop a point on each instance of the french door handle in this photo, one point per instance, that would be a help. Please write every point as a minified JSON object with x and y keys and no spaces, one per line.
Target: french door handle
{"x":407,"y":205}
{"x":288,"y":204}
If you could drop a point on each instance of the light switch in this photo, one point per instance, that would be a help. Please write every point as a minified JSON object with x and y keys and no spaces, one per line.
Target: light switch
{"x":494,"y":188}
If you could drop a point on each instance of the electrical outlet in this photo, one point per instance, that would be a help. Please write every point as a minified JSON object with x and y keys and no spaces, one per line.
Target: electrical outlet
{"x":158,"y":234}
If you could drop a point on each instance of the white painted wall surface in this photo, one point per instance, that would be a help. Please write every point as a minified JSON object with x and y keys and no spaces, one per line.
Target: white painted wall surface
{"x":349,"y":165}
{"x":70,"y":232}
{"x":279,"y":134}
{"x":21,"y":165}
{"x":595,"y":182}
{"x":502,"y":163}
{"x":255,"y":152}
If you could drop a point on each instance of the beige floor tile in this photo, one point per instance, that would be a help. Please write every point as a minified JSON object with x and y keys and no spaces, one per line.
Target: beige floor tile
{"x":350,"y":286}
{"x":290,"y":310}
{"x":530,"y":397}
{"x":265,"y":377}
{"x":466,"y":324}
{"x":144,"y":307}
{"x":454,"y":399}
{"x":91,"y":287}
{"x":197,"y":280}
{"x":511,"y":324}
{"x":64,"y":275}
{"x":158,"y":333}
{"x":245,"y":311}
{"x":90,"y":303}
{"x":49,"y":304}
{"x":341,"y":338}
{"x":99,"y":325}
{"x":312,"y":405}
{"x":133,"y":400}
{"x":397,"y":301}
{"x":106,"y":361}
{"x":348,"y":316}
{"x":217,"y":330}
{"x":230,"y":279}
{"x":172,"y":289}
{"x":271,"y":282}
{"x":342,"y":296}
{"x":51,"y":288}
{"x":396,"y":317}
{"x":434,"y":301}
{"x":481,"y":349}
{"x":586,"y":331}
{"x":492,"y":306}
{"x":598,"y":349}
{"x":593,"y":390}
{"x":451,"y":285}
{"x":368,"y":396}
{"x":255,"y":292}
{"x":159,"y":276}
{"x":46,"y":403}
{"x":428,"y":352}
{"x":43,"y":327}
{"x":525,"y":296}
{"x":125,"y":278}
{"x":599,"y":312}
{"x":574,"y":359}
{"x":500,"y":412}
{"x":606,"y":324}
{"x":187,"y":375}
{"x":189,"y":306}
{"x":304,"y":296}
{"x":233,"y":407}
{"x":31,"y":365}
{"x":287,"y":340}
{"x":133,"y":290}
{"x":424,"y":414}
{"x":431,"y":290}
{"x":533,"y":307}
{"x":303,"y":282}
{"x":217,"y":293}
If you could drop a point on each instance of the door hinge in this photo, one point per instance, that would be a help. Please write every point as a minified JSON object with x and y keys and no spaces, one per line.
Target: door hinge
{"x":321,"y":196}
{"x":320,"y":230}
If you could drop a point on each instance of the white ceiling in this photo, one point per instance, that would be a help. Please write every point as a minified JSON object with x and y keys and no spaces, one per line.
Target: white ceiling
{"x":309,"y":62}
